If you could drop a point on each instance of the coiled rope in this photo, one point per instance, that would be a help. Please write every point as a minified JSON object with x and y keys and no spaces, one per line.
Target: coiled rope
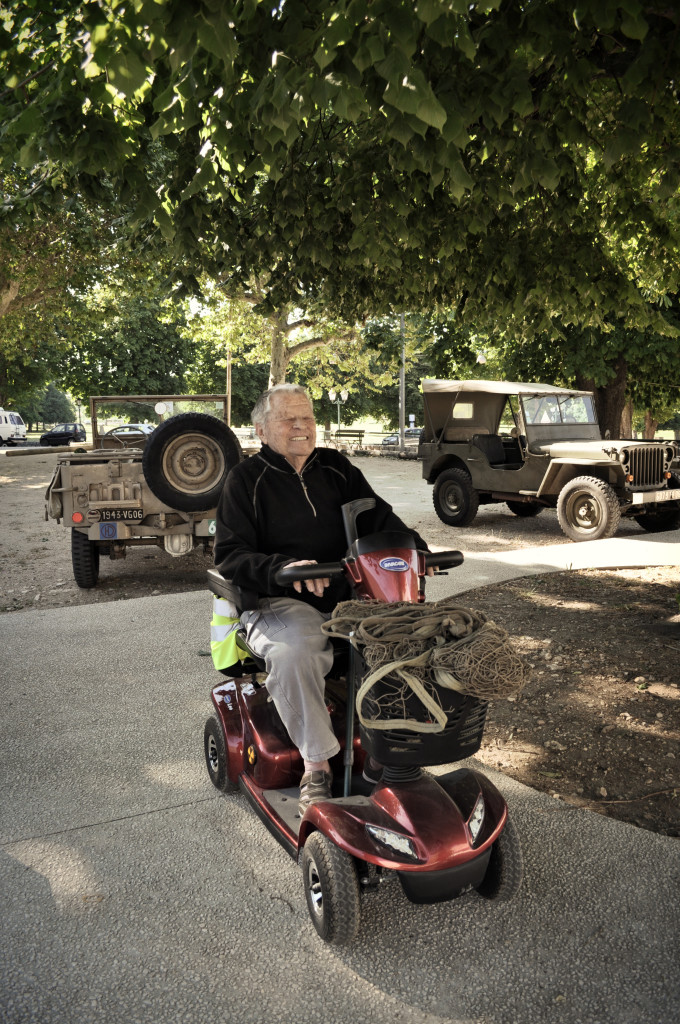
{"x":421,"y":649}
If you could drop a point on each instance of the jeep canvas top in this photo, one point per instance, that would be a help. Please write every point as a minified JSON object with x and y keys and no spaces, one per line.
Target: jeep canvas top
{"x":534,"y":446}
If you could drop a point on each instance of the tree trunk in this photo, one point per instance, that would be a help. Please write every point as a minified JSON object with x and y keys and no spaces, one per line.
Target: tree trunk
{"x":650,"y":426}
{"x":279,"y":354}
{"x":8,"y":293}
{"x":627,"y":420}
{"x":610,"y":399}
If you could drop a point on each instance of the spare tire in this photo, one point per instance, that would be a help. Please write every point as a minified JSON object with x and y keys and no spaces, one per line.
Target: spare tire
{"x":187,"y":458}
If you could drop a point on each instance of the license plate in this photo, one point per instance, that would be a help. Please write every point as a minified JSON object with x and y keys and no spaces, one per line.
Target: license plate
{"x":116,"y":515}
{"x":644,"y":497}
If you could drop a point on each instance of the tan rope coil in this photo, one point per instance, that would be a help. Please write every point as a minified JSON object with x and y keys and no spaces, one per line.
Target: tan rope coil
{"x":420,"y":649}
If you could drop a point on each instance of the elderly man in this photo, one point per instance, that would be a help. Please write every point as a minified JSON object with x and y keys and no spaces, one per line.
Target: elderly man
{"x":282,"y":507}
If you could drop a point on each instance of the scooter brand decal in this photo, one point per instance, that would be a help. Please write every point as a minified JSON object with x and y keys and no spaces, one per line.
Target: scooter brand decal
{"x":394,"y":564}
{"x":252,"y":755}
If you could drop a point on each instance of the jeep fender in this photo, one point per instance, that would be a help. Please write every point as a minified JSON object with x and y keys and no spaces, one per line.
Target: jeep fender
{"x":445,"y":462}
{"x":561,"y":471}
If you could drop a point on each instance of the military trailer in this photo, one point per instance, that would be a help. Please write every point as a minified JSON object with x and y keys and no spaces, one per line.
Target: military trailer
{"x":535,"y":446}
{"x":157,"y":483}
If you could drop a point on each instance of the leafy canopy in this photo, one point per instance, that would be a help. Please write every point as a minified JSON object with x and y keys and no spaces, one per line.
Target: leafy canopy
{"x":515,"y":160}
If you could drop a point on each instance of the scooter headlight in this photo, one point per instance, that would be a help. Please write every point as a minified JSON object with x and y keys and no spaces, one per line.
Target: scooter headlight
{"x":476,"y":818}
{"x":394,"y":841}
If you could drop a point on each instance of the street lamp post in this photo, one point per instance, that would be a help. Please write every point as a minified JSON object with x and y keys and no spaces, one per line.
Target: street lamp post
{"x":339,"y":398}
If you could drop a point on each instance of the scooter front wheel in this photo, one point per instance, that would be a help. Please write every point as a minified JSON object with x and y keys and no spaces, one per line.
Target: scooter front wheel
{"x":503,"y":876}
{"x":215,"y":749}
{"x":331,"y":890}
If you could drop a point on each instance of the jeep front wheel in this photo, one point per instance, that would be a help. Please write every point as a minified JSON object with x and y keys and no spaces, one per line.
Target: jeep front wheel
{"x":588,"y":509}
{"x":455,"y":499}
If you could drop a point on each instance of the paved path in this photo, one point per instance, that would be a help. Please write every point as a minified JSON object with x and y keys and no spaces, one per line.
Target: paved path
{"x":482,"y":568}
{"x":130,"y":890}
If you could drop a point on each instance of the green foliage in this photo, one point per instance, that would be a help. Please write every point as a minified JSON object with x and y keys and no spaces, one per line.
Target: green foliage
{"x":515,"y":162}
{"x":46,"y":405}
{"x":125,"y":344}
{"x":56,"y":406}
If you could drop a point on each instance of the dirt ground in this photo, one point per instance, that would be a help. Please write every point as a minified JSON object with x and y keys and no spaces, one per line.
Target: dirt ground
{"x":598,"y":723}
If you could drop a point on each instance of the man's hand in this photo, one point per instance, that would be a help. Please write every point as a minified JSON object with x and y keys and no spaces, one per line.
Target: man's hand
{"x":315,"y":587}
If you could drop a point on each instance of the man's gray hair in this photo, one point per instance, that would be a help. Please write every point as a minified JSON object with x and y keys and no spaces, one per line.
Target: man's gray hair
{"x":262,"y":407}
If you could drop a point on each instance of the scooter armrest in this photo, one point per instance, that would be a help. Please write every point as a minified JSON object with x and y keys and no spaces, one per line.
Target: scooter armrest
{"x":221,"y":587}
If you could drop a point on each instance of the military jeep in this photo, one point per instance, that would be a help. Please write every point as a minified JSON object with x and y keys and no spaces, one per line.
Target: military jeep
{"x":535,"y":446}
{"x":153,"y":482}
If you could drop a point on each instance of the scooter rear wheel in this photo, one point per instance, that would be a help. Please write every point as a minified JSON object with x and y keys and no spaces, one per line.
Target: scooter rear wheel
{"x":503,"y":876}
{"x":215,"y":749}
{"x":331,"y":890}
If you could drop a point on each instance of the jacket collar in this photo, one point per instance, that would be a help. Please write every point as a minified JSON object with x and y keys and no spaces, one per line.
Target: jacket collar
{"x":277,"y":461}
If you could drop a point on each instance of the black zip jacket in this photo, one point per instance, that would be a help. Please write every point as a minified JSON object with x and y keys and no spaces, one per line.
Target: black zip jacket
{"x":270,"y":515}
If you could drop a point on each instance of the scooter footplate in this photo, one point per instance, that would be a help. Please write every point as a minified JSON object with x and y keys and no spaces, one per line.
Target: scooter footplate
{"x":285,"y":803}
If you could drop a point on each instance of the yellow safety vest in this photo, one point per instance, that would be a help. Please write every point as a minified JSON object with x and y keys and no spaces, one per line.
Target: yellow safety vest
{"x":225,"y":622}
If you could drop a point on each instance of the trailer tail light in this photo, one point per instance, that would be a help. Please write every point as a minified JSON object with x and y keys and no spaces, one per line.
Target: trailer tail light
{"x":77,"y":517}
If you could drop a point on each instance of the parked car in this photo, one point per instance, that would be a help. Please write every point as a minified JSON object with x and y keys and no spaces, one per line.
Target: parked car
{"x":64,"y":433}
{"x":12,"y":428}
{"x":411,"y":434}
{"x":536,"y":446}
{"x":130,"y":435}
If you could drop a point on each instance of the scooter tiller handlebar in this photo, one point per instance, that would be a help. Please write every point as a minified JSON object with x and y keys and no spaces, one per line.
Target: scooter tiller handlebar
{"x":320,"y":570}
{"x":443,"y":559}
{"x":325,"y":570}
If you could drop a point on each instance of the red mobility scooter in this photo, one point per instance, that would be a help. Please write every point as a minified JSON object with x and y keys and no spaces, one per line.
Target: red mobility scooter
{"x":442,"y":835}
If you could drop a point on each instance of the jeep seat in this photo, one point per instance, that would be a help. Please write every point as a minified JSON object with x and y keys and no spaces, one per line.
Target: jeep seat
{"x":492,"y":446}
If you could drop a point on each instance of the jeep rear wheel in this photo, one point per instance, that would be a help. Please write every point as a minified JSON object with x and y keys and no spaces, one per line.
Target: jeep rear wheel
{"x":588,"y":509}
{"x":665,"y":515}
{"x":85,"y":560}
{"x":455,"y":499}
{"x":187,"y":458}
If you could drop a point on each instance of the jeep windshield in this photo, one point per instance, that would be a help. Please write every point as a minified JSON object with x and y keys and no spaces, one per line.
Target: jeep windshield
{"x":111,"y":413}
{"x":540,"y":409}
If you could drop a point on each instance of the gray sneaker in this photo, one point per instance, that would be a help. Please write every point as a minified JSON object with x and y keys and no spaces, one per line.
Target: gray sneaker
{"x":314,"y":786}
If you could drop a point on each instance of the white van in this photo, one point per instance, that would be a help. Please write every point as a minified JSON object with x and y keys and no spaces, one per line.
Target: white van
{"x":12,"y":428}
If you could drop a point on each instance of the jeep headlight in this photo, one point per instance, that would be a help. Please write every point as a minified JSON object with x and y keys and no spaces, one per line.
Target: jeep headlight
{"x":624,"y":456}
{"x":670,"y":455}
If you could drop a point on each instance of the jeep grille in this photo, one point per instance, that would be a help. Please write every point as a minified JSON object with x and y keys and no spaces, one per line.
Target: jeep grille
{"x":646,"y":465}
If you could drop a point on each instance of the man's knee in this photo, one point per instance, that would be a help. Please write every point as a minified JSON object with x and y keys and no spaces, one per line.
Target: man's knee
{"x":312,"y":656}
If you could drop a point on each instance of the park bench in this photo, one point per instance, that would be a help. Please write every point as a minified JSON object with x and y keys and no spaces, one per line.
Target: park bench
{"x":349,"y":438}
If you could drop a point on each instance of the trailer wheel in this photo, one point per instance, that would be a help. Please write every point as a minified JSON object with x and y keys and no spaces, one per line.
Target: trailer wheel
{"x":588,"y":509}
{"x":455,"y":499}
{"x":666,"y":516}
{"x":503,"y":876}
{"x":331,"y":890}
{"x":215,"y":748}
{"x":85,"y":560}
{"x":524,"y":509}
{"x":187,"y":458}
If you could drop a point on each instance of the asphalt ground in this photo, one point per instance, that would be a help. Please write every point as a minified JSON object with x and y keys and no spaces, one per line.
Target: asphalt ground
{"x":132,"y":891}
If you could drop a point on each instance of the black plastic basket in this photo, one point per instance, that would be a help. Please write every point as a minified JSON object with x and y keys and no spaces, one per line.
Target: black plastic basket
{"x":460,"y":738}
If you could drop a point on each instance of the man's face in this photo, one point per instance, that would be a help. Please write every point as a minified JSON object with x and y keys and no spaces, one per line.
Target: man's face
{"x":290,"y":428}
